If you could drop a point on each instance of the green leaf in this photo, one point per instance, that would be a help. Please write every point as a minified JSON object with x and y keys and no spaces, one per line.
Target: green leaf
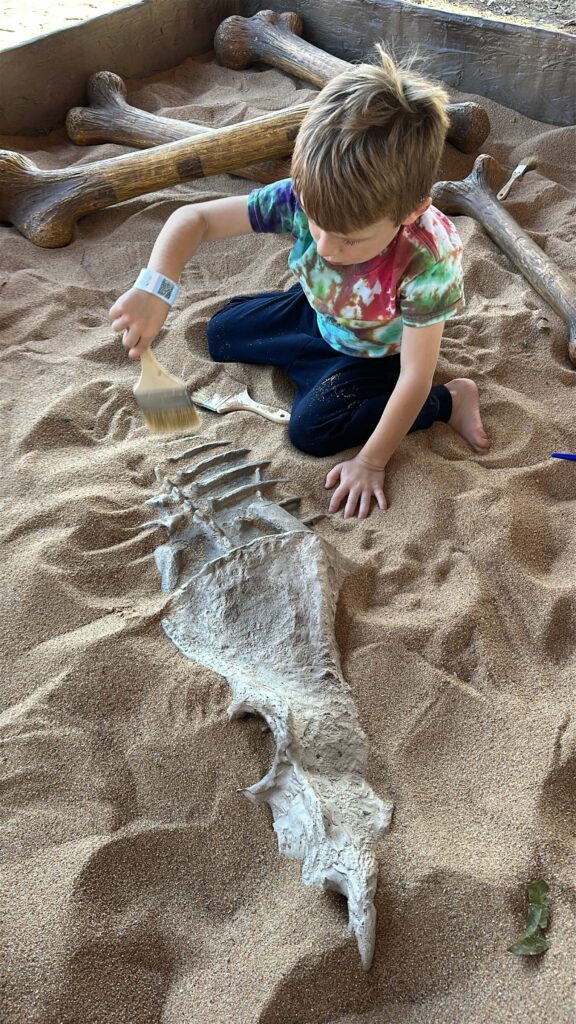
{"x":532,"y":941}
{"x":538,"y":892}
{"x":530,"y":946}
{"x":544,"y":916}
{"x":534,"y":920}
{"x":538,"y":898}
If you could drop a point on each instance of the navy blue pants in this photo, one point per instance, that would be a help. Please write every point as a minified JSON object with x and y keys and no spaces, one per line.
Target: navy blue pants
{"x":339,"y":399}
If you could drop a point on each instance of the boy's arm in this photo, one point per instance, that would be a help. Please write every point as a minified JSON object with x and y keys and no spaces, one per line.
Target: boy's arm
{"x":362,"y":477}
{"x":138,"y":315}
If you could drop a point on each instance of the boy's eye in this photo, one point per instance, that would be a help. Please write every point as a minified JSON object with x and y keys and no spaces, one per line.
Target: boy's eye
{"x":349,"y":241}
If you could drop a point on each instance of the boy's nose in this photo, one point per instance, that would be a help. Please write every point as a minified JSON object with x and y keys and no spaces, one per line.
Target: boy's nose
{"x":326,"y":247}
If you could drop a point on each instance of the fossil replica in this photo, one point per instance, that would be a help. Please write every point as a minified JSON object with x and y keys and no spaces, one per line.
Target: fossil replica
{"x":275,"y":39}
{"x":474,"y":197}
{"x":110,"y":118}
{"x":253,"y":597}
{"x":45,"y":205}
{"x":269,"y":37}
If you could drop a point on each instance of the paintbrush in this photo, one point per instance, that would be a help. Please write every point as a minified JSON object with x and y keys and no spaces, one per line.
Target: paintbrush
{"x":163,"y":398}
{"x":525,"y":165}
{"x":240,"y":400}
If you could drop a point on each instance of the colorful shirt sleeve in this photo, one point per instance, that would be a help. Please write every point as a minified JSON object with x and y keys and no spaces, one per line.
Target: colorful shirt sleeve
{"x":435,"y":294}
{"x":274,"y":208}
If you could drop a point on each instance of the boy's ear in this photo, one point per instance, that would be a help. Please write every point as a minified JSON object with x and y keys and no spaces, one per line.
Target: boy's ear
{"x":417,"y":212}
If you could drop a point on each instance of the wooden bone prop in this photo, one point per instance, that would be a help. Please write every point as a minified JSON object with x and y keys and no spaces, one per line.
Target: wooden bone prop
{"x":109,"y":118}
{"x":274,"y":39}
{"x":474,"y":197}
{"x":45,"y":205}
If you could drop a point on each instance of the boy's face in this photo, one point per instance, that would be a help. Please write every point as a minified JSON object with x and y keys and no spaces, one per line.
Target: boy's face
{"x":359,"y":246}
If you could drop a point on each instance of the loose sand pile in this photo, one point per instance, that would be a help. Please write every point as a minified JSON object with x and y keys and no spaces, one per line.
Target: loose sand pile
{"x":140,"y":886}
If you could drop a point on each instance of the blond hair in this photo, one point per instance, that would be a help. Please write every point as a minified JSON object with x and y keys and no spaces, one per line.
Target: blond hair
{"x":370,"y":146}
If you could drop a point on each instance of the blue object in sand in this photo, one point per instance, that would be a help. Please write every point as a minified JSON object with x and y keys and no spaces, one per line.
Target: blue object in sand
{"x":563,"y":455}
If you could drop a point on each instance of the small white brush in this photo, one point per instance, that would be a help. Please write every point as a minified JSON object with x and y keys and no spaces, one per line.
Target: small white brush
{"x":518,"y":171}
{"x":163,"y":399}
{"x":241,"y":401}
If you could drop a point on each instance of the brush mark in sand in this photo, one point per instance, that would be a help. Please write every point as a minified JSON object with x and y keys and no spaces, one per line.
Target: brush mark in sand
{"x":254,"y":595}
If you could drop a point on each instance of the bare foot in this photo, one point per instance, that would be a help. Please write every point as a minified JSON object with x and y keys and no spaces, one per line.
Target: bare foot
{"x":465,"y":418}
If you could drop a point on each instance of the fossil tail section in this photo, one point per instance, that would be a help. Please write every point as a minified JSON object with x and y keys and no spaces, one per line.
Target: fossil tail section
{"x":254,"y":595}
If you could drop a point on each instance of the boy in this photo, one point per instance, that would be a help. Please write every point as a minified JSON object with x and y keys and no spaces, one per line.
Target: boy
{"x":378,"y":268}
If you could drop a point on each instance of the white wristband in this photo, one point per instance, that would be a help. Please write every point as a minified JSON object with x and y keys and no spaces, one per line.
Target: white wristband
{"x":155,"y":283}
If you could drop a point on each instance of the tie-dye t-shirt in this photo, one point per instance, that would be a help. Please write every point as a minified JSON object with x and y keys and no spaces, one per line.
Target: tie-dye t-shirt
{"x":361,"y":309}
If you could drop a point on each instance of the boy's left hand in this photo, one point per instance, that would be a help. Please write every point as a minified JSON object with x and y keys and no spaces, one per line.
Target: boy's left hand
{"x":359,"y":482}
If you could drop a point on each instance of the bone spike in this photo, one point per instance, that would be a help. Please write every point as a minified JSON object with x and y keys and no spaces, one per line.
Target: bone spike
{"x":291,"y":504}
{"x":109,"y":118}
{"x":176,"y":495}
{"x":203,"y":516}
{"x":218,"y":479}
{"x":474,"y":196}
{"x":214,"y":460}
{"x":158,"y":499}
{"x":239,"y":493}
{"x":181,"y":439}
{"x":45,"y":205}
{"x":191,"y":452}
{"x":270,"y":516}
{"x":274,"y":39}
{"x":169,"y":523}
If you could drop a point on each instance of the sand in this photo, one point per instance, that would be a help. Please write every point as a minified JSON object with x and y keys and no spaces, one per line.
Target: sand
{"x":139,"y":885}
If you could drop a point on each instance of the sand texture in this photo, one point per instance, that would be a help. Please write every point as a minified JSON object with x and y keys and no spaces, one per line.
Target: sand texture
{"x":139,"y":885}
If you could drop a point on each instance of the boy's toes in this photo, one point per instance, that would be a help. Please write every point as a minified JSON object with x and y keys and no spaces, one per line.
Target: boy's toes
{"x":481,"y":441}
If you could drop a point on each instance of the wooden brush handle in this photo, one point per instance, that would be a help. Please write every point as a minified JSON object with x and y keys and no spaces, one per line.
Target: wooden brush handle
{"x":153,"y":376}
{"x":244,"y":401}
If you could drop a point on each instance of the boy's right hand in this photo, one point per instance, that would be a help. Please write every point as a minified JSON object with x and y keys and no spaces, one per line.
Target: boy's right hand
{"x":138,"y":316}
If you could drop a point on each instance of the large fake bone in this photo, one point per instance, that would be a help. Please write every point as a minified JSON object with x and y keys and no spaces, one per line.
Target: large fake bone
{"x":474,"y":197}
{"x":274,"y":39}
{"x":254,"y":595}
{"x":109,"y":118}
{"x":45,"y":205}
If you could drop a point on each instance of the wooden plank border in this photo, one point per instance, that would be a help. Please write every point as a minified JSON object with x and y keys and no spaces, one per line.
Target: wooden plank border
{"x":42,"y":78}
{"x":527,"y":68}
